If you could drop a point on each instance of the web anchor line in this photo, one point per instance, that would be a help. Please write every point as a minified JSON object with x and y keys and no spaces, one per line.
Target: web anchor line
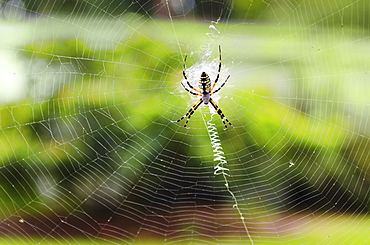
{"x":220,"y":168}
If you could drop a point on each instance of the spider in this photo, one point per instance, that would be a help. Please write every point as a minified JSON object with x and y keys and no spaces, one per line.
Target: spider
{"x":205,"y":91}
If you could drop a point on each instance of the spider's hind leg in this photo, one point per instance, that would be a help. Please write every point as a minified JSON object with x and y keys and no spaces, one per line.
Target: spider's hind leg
{"x":190,"y":112}
{"x":225,"y":121}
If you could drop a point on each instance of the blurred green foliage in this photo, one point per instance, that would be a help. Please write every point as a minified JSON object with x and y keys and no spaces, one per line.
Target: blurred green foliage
{"x":69,"y":131}
{"x":42,"y":143}
{"x":109,"y":114}
{"x":77,"y":7}
{"x":331,"y":12}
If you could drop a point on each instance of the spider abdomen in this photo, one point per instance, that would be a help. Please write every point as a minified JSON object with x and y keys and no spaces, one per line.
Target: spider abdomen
{"x":205,"y":83}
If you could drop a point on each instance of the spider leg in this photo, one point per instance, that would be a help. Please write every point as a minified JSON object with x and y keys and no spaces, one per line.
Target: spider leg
{"x":189,"y":90}
{"x":192,"y":87}
{"x":190,"y":112}
{"x":186,"y":78}
{"x":219,"y":112}
{"x":219,"y":69}
{"x":221,"y":86}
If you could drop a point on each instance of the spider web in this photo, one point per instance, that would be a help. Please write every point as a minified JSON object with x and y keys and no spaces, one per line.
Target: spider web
{"x":89,"y":154}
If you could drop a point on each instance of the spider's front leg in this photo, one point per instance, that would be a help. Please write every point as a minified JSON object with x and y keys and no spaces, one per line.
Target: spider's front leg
{"x":221,"y":85}
{"x":219,"y":68}
{"x":189,"y":90}
{"x":190,"y":112}
{"x":186,"y":78}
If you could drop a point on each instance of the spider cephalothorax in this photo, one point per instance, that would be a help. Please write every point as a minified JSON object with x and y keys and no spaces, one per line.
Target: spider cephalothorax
{"x":205,"y":91}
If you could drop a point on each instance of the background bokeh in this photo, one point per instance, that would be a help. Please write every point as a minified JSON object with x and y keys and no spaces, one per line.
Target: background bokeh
{"x":89,"y":152}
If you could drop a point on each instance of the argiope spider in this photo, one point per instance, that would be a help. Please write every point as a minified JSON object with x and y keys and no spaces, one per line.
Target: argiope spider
{"x":205,"y":91}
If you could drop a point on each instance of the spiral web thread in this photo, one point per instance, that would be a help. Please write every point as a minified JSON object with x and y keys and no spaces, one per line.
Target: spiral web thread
{"x":220,"y":167}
